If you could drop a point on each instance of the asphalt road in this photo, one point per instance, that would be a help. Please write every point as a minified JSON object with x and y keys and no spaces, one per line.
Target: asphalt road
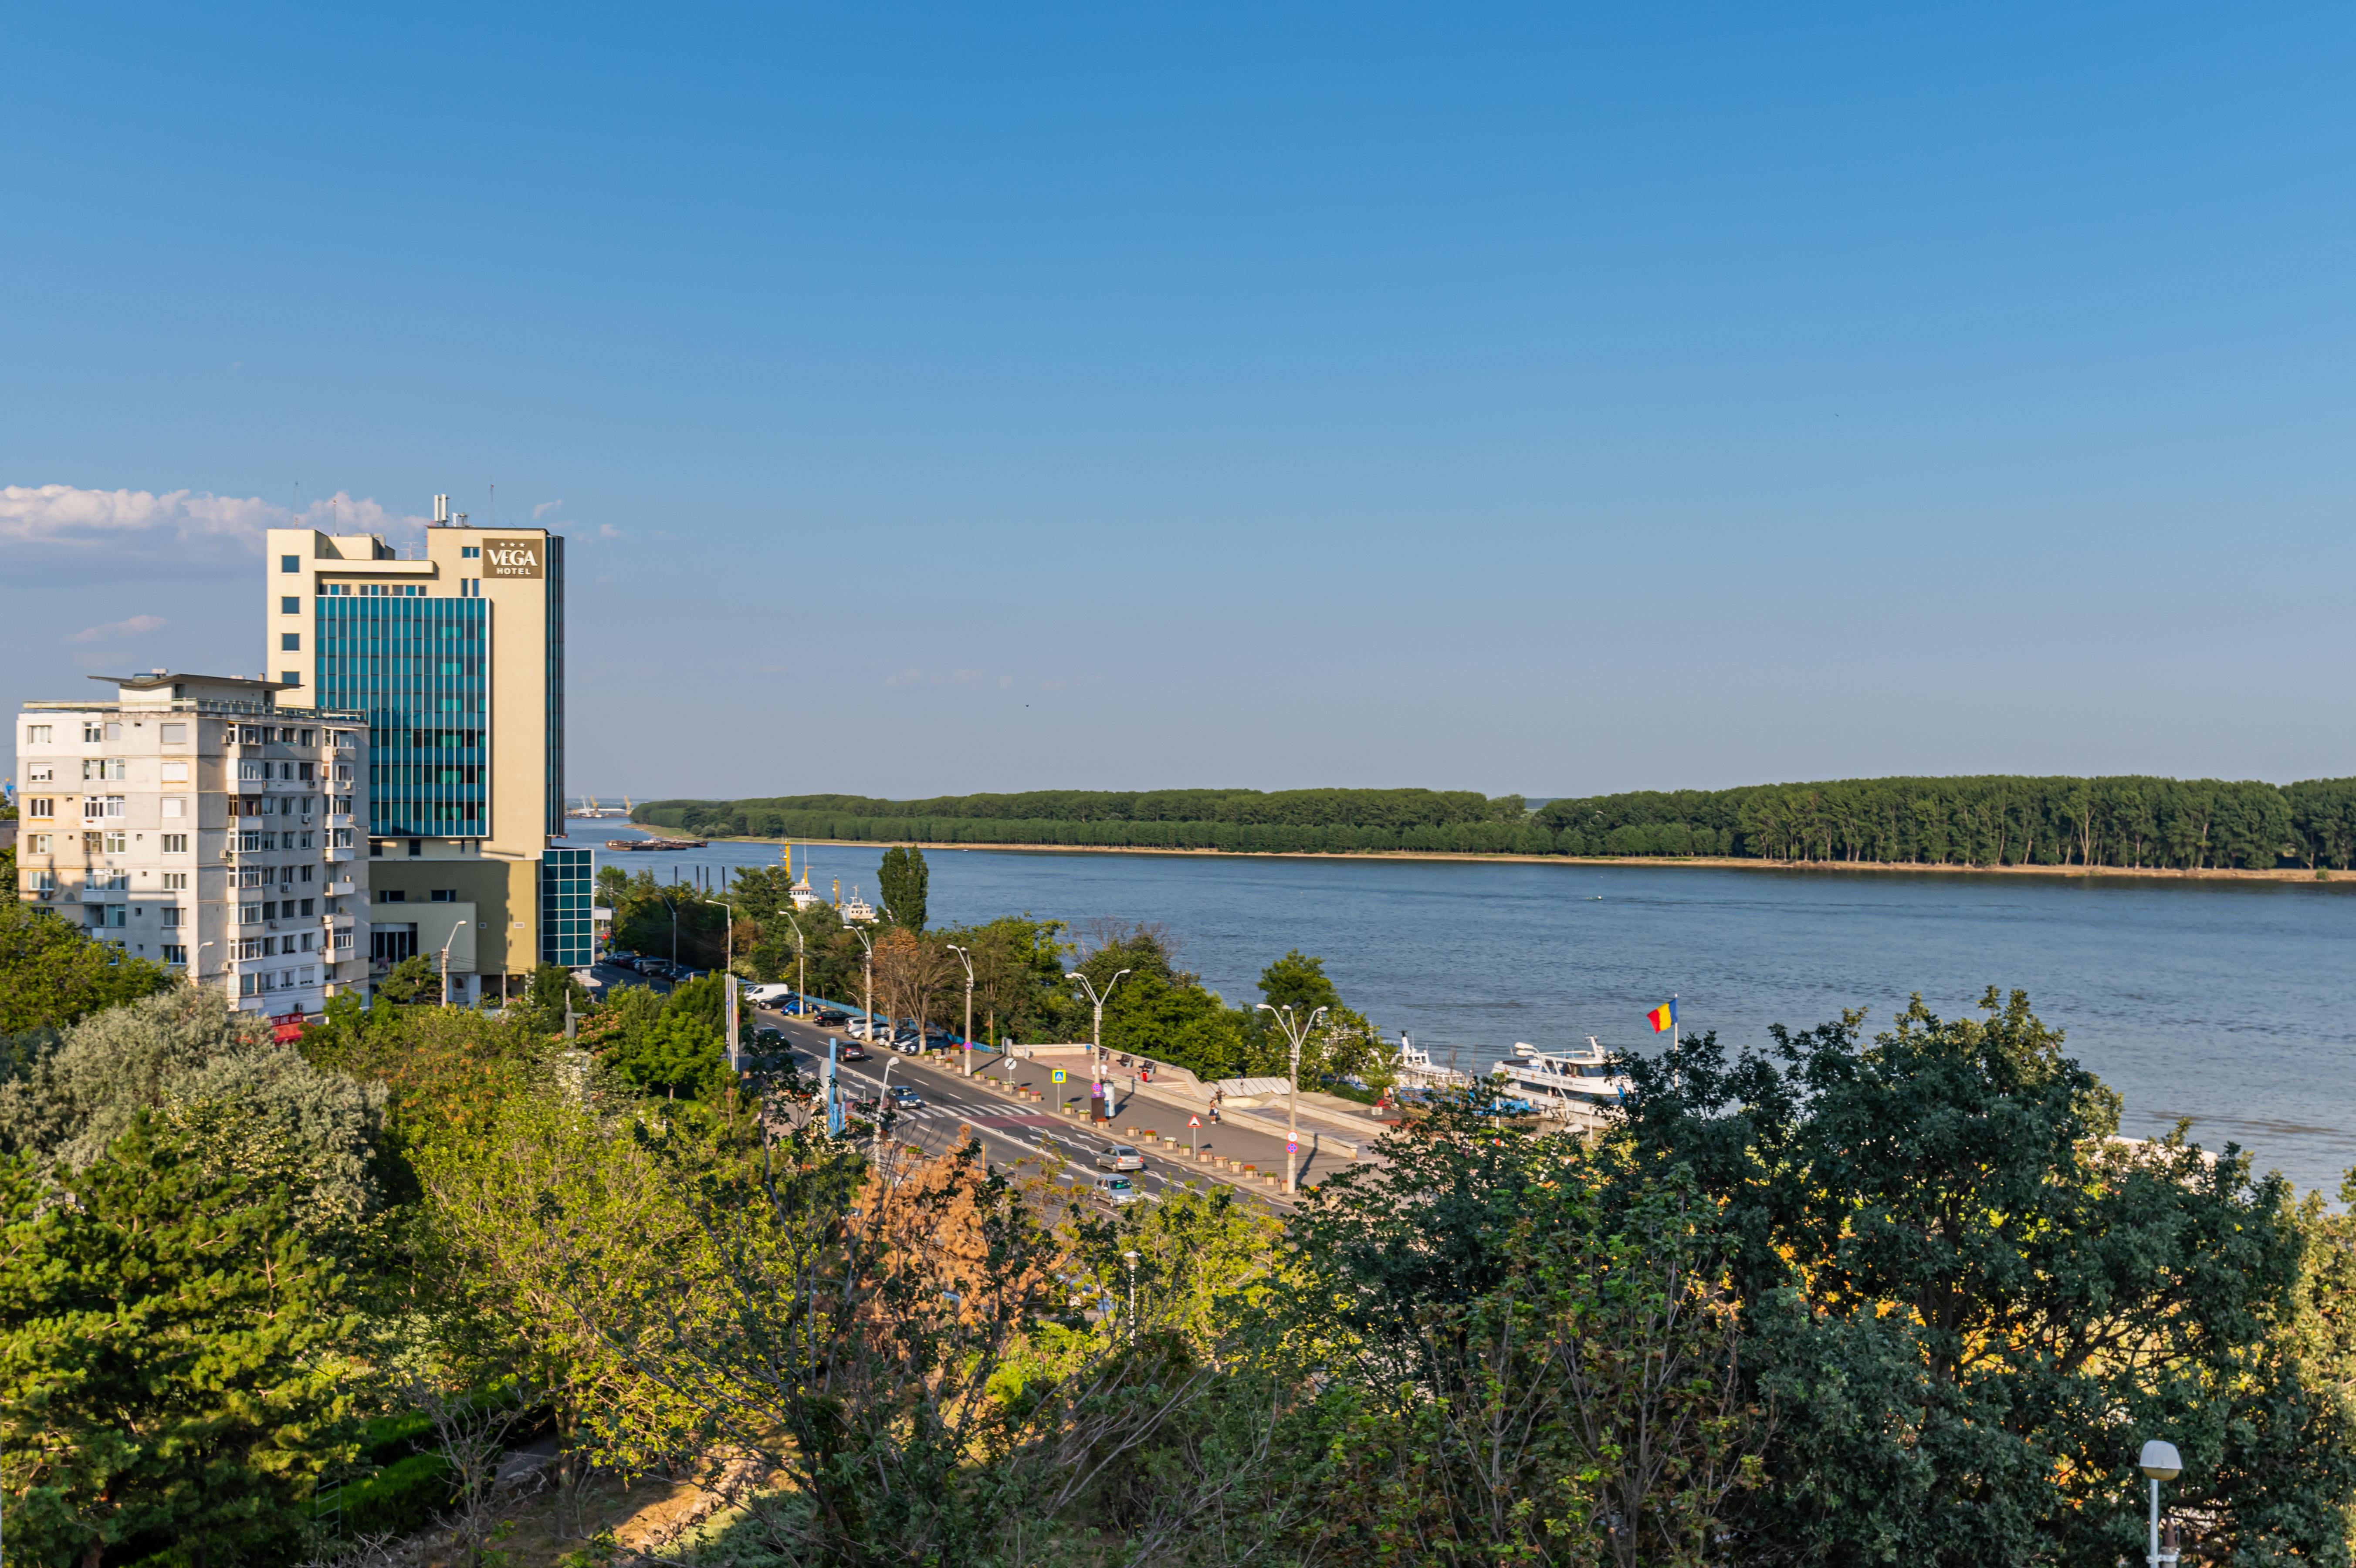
{"x":1014,"y":1131}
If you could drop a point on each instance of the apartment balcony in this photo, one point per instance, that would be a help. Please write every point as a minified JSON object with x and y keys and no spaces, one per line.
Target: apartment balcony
{"x":339,"y":819}
{"x":344,"y":922}
{"x":342,"y":890}
{"x":341,"y":856}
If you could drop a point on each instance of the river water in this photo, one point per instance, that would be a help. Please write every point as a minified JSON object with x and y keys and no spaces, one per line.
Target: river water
{"x":2230,"y":1003}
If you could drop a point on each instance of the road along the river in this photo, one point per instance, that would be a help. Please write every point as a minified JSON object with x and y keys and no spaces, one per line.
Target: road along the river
{"x":1013,"y":1130}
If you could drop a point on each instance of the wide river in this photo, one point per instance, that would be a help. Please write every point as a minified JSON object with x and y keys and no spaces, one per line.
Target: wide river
{"x":2230,"y":1003}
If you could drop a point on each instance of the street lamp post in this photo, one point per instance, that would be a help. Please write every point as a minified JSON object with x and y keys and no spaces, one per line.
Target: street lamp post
{"x":1295,"y":1031}
{"x":965,"y":956}
{"x":445,"y":964}
{"x":867,"y":971}
{"x":1096,"y":1053}
{"x":801,"y":964}
{"x":2161,"y":1462}
{"x":1130,"y":1258}
{"x":728,"y":979}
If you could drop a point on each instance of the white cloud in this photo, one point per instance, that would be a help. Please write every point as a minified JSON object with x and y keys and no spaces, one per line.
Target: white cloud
{"x":55,"y":532}
{"x":133,"y":627}
{"x":544,"y":508}
{"x":608,"y":531}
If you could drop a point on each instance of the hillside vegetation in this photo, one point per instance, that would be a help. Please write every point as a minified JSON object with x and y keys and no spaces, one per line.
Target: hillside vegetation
{"x":1994,"y":820}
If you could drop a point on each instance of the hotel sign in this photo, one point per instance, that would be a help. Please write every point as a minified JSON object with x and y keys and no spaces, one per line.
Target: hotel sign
{"x":515,"y":558}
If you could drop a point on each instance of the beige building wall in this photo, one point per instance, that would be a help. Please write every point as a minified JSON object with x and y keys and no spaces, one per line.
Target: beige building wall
{"x":426,"y":885}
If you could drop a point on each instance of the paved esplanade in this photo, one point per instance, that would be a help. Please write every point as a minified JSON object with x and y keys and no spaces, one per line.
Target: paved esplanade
{"x":1012,"y":1129}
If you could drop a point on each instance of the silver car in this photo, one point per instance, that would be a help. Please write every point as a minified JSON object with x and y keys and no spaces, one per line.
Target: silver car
{"x":1120,"y":1156}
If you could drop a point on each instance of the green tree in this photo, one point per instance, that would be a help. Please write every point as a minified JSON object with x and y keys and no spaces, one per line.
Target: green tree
{"x":902,"y":882}
{"x":1974,"y":1300}
{"x":410,"y":980}
{"x":169,"y":1359}
{"x":52,"y":974}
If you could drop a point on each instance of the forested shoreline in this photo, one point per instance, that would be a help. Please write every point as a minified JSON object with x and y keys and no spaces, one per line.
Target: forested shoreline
{"x":2126,"y":822}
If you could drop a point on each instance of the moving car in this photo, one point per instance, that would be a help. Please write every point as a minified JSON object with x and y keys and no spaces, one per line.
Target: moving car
{"x":1120,"y":1156}
{"x":829,"y":1018}
{"x":907,"y":1099}
{"x":850,"y":1050}
{"x":1115,"y":1191}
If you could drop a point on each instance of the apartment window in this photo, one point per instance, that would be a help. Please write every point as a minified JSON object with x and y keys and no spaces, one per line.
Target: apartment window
{"x":249,"y":914}
{"x":36,"y":806}
{"x":290,"y":563}
{"x":290,"y":677}
{"x":175,"y":953}
{"x":417,"y":848}
{"x":309,"y":738}
{"x":343,"y":940}
{"x":471,"y":552}
{"x":252,"y":876}
{"x":253,"y":735}
{"x":308,"y":869}
{"x":91,"y":730}
{"x":45,"y":883}
{"x":110,"y":881}
{"x":306,"y":905}
{"x":40,"y":773}
{"x":390,"y":896}
{"x":118,"y":843}
{"x":251,"y":770}
{"x":303,"y":771}
{"x":176,"y":882}
{"x":344,"y":839}
{"x":111,"y":915}
{"x":176,"y":771}
{"x":94,"y":807}
{"x":175,"y":806}
{"x":270,"y":910}
{"x":37,"y":734}
{"x":175,"y":734}
{"x":172,"y":914}
{"x":105,"y":768}
{"x":290,"y":605}
{"x":446,"y":895}
{"x":40,"y":842}
{"x":175,"y":844}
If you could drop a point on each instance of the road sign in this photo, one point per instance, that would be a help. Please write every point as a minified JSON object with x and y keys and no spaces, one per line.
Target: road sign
{"x":1290,"y":1145}
{"x":1194,"y":1120}
{"x":1059,"y":1075}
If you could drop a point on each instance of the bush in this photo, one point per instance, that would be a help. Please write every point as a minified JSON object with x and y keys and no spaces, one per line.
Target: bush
{"x":400,"y":1498}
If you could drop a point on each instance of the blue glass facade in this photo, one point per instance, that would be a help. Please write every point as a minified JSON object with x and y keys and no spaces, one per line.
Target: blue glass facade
{"x":565,"y":892}
{"x":417,"y":667}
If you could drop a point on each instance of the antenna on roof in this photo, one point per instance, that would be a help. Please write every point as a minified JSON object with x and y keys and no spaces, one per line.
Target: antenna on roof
{"x":441,"y":508}
{"x":494,"y":502}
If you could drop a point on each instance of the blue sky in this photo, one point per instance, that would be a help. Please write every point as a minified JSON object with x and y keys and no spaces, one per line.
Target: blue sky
{"x":1513,"y":399}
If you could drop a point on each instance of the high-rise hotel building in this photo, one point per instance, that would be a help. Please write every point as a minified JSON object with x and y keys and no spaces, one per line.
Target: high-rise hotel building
{"x":454,"y":653}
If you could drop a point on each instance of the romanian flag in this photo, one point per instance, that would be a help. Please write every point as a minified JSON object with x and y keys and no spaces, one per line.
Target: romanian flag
{"x":1663,"y":1019}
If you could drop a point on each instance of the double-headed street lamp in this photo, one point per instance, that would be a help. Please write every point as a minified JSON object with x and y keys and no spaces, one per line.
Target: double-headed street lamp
{"x":867,"y":971}
{"x":965,"y":956}
{"x":1296,"y":1031}
{"x":1095,"y":1053}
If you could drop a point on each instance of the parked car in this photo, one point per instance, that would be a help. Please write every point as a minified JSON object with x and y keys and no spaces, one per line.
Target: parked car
{"x":1120,"y":1156}
{"x":829,"y":1018}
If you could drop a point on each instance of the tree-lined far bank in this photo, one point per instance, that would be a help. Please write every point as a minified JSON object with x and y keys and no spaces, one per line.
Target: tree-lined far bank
{"x":2129,"y":822}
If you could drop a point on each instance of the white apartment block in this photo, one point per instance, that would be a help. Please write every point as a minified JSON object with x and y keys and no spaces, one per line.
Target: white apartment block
{"x":197,"y":823}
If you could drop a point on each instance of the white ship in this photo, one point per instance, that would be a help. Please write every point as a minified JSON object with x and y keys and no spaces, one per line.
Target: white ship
{"x":1574,"y":1085}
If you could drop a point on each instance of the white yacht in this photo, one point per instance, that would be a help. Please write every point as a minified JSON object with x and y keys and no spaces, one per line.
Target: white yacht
{"x":1575,"y":1085}
{"x":1416,"y":1068}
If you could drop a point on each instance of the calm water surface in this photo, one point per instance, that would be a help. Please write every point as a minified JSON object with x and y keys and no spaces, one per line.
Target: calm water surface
{"x":2228,"y":1003}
